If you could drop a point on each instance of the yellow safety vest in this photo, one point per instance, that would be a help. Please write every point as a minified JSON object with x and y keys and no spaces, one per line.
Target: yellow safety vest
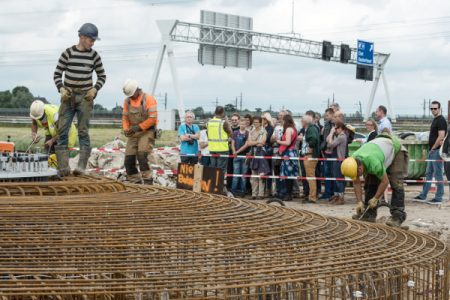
{"x":217,"y":137}
{"x":51,"y":113}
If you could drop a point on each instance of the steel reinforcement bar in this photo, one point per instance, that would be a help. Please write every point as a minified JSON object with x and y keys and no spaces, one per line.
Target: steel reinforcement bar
{"x":147,"y":242}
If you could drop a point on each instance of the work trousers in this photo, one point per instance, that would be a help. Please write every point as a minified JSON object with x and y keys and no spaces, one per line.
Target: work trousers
{"x":80,"y":107}
{"x":396,"y":173}
{"x":310,"y":169}
{"x":142,"y":141}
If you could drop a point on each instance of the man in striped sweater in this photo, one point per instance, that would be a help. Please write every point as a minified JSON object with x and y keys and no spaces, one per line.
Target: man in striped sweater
{"x":77,"y":95}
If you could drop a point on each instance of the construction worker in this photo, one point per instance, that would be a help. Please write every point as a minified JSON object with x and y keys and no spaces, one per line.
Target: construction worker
{"x":77,"y":95}
{"x":382,"y":161}
{"x":45,"y":116}
{"x":219,"y":131}
{"x":139,"y":120}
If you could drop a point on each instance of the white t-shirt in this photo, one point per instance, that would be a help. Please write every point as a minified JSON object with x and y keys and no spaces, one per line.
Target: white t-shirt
{"x":203,"y":138}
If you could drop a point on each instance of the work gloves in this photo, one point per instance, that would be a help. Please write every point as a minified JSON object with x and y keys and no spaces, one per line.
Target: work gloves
{"x":133,"y":129}
{"x":360,"y":208}
{"x":90,"y":94}
{"x":65,"y":93}
{"x":373,"y":203}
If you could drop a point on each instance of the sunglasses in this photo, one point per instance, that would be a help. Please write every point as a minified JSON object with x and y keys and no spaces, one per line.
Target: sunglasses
{"x":434,"y":108}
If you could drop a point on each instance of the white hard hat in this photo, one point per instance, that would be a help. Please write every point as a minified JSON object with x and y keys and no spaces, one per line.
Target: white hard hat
{"x":129,"y":87}
{"x":37,"y":109}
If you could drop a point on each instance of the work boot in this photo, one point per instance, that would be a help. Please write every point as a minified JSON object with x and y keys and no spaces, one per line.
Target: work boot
{"x":62,"y":156}
{"x":85,"y":153}
{"x":135,"y":178}
{"x":339,"y":200}
{"x":147,"y":177}
{"x":393,"y":222}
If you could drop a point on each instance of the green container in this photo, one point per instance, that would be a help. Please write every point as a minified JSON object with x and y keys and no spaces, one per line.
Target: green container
{"x":353,"y":147}
{"x":417,"y":150}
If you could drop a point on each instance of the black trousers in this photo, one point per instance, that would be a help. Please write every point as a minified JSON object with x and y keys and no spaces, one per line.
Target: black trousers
{"x":395,"y":174}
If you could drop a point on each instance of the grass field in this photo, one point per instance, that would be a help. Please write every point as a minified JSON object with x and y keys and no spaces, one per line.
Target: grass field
{"x":21,"y":136}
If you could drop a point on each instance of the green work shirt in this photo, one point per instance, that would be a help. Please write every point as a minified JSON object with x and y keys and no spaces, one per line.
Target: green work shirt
{"x":377,"y":155}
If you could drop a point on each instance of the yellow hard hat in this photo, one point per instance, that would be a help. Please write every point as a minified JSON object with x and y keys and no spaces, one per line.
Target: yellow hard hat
{"x":349,"y":168}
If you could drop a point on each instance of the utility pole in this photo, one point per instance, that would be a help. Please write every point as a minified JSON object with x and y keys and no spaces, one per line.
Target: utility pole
{"x":424,"y":108}
{"x":241,"y":103}
{"x":165,"y":101}
{"x":328,"y":102}
{"x":217,"y":101}
{"x":360,"y":108}
{"x":333,"y":97}
{"x":270,"y":108}
{"x":236,"y":107}
{"x":429,"y":105}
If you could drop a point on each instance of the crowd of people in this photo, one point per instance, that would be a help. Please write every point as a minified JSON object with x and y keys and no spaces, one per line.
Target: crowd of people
{"x":242,"y":138}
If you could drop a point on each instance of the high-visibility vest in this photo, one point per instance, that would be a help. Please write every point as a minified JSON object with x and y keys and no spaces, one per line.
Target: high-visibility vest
{"x":51,"y":114}
{"x":217,"y":137}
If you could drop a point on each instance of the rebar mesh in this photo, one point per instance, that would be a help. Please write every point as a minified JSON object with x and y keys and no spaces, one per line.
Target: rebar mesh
{"x":148,"y":242}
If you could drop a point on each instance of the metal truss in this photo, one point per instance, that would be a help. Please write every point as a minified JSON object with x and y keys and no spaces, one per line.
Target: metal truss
{"x":256,"y":41}
{"x":247,"y":40}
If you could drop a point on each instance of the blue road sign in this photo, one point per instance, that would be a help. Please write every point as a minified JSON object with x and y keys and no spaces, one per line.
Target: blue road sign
{"x":365,"y":53}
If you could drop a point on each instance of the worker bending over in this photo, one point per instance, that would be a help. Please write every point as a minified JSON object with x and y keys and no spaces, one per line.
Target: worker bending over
{"x":139,"y":120}
{"x":45,"y":116}
{"x":382,"y":161}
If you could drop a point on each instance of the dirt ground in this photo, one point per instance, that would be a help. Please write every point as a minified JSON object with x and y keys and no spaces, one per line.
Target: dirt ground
{"x":430,"y":219}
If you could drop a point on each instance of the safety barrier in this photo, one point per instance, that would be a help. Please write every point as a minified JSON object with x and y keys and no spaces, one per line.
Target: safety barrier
{"x":111,"y":150}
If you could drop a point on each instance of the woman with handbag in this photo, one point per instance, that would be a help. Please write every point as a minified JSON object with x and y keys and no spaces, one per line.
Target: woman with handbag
{"x":289,"y":166}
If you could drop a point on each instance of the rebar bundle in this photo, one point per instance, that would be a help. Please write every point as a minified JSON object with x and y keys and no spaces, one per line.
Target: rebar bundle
{"x":91,"y":238}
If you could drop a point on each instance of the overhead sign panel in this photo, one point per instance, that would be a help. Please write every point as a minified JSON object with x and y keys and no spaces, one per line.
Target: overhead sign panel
{"x":365,"y":53}
{"x":229,"y":56}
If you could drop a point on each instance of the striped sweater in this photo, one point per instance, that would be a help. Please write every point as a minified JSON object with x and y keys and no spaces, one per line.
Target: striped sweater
{"x":78,"y":67}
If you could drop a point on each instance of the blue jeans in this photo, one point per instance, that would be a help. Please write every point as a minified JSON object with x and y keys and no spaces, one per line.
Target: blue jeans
{"x":67,"y":111}
{"x":434,"y":169}
{"x":330,"y":185}
{"x":239,"y":167}
{"x":340,"y":185}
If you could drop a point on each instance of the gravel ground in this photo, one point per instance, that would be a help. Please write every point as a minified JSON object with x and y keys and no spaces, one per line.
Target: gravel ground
{"x":430,"y":219}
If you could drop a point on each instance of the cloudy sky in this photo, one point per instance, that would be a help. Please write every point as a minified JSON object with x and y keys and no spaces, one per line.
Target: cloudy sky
{"x":33,"y":34}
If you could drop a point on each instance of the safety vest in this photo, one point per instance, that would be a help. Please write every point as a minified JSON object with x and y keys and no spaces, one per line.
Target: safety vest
{"x":51,"y":115}
{"x":217,"y":137}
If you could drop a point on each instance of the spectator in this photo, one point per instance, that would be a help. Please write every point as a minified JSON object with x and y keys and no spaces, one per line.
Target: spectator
{"x":276,"y":163}
{"x":319,"y":170}
{"x":301,"y":134}
{"x":203,"y":147}
{"x":337,"y":140}
{"x":327,"y":153}
{"x":189,"y":133}
{"x":235,"y":117}
{"x":238,"y":146}
{"x":289,"y":167}
{"x":438,"y":130}
{"x":268,"y":125}
{"x":219,"y":131}
{"x":259,"y":166}
{"x":235,"y":122}
{"x":384,"y":123}
{"x":249,"y":119}
{"x":311,"y":149}
{"x":372,"y":128}
{"x":335,"y":107}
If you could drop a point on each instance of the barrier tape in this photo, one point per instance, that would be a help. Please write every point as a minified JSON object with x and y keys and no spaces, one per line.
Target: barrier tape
{"x":174,"y":172}
{"x":112,"y":150}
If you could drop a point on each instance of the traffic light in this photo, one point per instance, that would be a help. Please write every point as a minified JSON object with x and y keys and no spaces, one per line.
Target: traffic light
{"x":327,"y":50}
{"x":346,"y":53}
{"x":364,"y":72}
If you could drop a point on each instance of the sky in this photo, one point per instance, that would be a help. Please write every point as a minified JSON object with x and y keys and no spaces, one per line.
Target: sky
{"x":33,"y":34}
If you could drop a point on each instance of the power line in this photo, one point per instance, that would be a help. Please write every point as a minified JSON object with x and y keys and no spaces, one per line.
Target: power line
{"x":52,"y":11}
